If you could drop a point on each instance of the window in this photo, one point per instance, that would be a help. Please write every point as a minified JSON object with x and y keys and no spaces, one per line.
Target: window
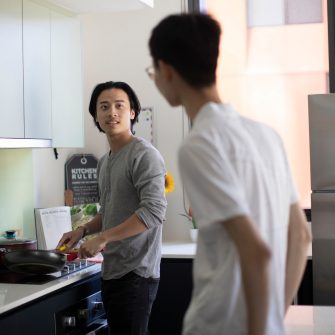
{"x":267,"y":70}
{"x":280,"y":12}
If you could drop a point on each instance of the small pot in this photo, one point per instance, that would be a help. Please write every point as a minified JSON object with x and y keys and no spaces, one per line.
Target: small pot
{"x":8,"y":245}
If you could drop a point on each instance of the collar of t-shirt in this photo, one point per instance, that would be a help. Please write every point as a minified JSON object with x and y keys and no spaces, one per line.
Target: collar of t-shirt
{"x":211,"y":108}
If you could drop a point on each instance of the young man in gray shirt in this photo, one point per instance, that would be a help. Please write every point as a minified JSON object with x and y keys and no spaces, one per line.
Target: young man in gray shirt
{"x":131,"y":185}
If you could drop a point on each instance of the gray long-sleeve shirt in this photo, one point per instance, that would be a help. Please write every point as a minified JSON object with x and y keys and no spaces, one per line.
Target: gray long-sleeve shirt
{"x":132,"y":181}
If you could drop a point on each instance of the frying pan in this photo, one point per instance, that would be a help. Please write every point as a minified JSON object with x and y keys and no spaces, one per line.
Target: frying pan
{"x":34,"y":261}
{"x":7,"y":245}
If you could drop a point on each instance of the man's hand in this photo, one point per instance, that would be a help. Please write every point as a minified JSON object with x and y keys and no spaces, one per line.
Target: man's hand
{"x":69,"y":240}
{"x":91,"y":247}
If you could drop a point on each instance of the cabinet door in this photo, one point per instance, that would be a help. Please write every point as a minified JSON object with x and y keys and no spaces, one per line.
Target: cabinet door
{"x":11,"y":78}
{"x":323,"y":248}
{"x":173,"y":296}
{"x":37,"y":77}
{"x":66,"y":73}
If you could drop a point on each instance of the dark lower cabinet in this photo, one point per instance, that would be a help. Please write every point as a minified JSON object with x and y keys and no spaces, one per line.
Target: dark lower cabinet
{"x":305,"y":292}
{"x":173,"y":297}
{"x":38,"y":317}
{"x":175,"y":290}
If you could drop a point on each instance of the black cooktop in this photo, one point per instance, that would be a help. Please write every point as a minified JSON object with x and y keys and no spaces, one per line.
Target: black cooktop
{"x":10,"y":277}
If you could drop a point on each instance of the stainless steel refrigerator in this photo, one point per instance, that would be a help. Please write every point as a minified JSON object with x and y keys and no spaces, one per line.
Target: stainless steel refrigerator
{"x":321,"y":110}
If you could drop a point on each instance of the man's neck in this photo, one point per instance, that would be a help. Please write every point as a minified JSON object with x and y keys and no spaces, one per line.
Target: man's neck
{"x":117,"y":142}
{"x":194,"y":99}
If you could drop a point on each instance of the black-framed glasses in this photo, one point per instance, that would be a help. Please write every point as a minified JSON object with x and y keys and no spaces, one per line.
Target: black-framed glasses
{"x":150,"y":70}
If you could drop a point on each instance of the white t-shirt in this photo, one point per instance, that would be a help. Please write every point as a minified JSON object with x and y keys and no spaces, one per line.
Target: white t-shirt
{"x":231,"y":165}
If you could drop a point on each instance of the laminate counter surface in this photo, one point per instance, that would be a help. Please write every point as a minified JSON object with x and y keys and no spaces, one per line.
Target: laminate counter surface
{"x":15,"y":295}
{"x":310,"y":320}
{"x":188,"y":250}
{"x":178,"y":250}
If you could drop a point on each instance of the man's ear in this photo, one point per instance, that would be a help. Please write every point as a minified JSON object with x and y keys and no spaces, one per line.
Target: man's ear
{"x":132,"y":114}
{"x":166,"y":69}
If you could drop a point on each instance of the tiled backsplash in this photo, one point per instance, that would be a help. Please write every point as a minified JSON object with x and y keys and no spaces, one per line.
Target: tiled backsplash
{"x":17,"y":191}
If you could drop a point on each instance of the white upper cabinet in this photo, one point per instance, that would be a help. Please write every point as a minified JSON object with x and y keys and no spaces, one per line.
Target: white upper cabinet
{"x":37,"y":76}
{"x":11,"y":71}
{"x":41,"y":76}
{"x":66,"y":74}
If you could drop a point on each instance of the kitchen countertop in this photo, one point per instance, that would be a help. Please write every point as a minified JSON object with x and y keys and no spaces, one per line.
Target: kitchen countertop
{"x":310,"y":320}
{"x":178,"y":250}
{"x":188,"y":250}
{"x":14,"y":295}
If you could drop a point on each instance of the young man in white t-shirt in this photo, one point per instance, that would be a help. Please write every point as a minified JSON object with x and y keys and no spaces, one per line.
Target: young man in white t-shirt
{"x":253,"y":236}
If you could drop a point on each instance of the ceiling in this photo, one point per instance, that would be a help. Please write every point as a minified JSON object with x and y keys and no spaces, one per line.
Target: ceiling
{"x":101,"y":6}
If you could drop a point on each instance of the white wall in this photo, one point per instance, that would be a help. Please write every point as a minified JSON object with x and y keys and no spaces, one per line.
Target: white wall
{"x":115,"y":48}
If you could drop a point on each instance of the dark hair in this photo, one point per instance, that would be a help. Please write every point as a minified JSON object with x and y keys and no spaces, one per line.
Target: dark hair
{"x":134,"y":102}
{"x":190,"y":43}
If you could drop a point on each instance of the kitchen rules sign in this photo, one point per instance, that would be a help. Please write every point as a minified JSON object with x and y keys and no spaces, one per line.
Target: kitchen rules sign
{"x":81,"y":179}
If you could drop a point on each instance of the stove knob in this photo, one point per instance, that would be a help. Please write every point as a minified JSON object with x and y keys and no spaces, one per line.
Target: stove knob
{"x":69,"y":321}
{"x":98,"y":306}
{"x":83,"y":313}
